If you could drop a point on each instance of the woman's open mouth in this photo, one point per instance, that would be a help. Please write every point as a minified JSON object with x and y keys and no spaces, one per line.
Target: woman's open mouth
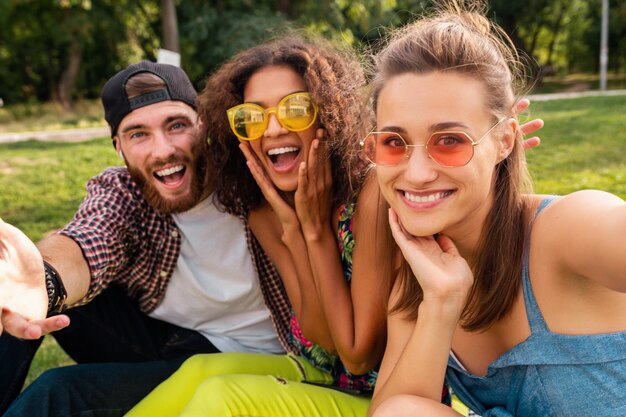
{"x":283,"y":158}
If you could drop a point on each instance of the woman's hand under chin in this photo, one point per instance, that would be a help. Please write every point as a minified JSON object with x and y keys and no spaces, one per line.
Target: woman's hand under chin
{"x":442,"y":273}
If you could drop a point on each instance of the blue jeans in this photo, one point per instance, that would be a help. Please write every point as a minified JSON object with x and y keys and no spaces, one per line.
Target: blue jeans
{"x":122,"y":354}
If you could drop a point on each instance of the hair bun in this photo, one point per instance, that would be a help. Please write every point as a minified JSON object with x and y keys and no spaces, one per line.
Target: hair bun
{"x":478,"y":22}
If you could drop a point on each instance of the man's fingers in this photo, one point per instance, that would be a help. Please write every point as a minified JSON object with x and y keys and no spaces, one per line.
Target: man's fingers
{"x":531,"y":143}
{"x":521,"y":105}
{"x":530,"y":127}
{"x":52,"y":324}
{"x":18,"y":326}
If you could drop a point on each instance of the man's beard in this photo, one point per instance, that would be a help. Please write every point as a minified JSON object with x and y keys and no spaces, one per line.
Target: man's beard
{"x":196,"y":169}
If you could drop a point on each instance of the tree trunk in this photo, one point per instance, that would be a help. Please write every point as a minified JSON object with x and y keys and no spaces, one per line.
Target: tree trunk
{"x":286,"y":8}
{"x":68,"y":78}
{"x":556,"y":29}
{"x":170,"y":25}
{"x":535,"y":36}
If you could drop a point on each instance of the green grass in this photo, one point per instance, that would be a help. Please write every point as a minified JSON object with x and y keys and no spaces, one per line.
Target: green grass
{"x":583,"y":146}
{"x":42,"y":184}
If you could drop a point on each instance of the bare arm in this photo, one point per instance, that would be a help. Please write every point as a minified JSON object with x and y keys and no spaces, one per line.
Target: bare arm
{"x":288,"y":253}
{"x":67,"y":258}
{"x":355,"y":312}
{"x":277,"y":228}
{"x":416,"y":356}
{"x":586,"y":234}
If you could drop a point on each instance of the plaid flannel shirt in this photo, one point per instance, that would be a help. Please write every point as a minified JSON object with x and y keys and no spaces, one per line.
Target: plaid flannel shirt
{"x":126,"y":241}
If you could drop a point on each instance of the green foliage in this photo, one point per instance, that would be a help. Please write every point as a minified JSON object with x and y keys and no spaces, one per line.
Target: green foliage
{"x":579,"y":82}
{"x":37,"y":36}
{"x":50,"y":116}
{"x":564,"y":34}
{"x":210,"y":36}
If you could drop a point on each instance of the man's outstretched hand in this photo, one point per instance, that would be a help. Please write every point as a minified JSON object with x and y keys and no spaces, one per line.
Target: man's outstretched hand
{"x":23,"y":296}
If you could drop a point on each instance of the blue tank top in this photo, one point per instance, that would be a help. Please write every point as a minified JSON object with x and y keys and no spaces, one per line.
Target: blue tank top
{"x":548,"y":374}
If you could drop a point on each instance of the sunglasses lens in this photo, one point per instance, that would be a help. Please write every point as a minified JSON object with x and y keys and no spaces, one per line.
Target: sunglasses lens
{"x":249,"y":122}
{"x":384,"y":148}
{"x":451,"y":149}
{"x":297,"y":112}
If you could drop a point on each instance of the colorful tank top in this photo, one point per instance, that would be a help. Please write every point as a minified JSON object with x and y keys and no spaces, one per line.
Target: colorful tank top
{"x":316,"y":354}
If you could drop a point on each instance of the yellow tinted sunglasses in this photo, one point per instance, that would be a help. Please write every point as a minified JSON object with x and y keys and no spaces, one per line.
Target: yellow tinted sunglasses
{"x":295,"y":112}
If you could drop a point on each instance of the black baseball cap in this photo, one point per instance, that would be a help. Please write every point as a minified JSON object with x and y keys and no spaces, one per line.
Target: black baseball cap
{"x":117,"y":104}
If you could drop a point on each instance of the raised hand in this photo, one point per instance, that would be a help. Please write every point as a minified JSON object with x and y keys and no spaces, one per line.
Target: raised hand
{"x":23,"y":296}
{"x":285,"y":213}
{"x":440,"y":270}
{"x":313,"y":196}
{"x":528,"y":127}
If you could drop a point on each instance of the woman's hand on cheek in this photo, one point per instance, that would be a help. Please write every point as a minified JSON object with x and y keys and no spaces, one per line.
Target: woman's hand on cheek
{"x":285,"y":213}
{"x":314,"y":193}
{"x":440,"y":270}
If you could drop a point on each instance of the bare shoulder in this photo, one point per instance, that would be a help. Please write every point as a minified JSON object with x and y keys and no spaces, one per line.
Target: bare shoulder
{"x":264,"y":224}
{"x":578,"y":241}
{"x":570,"y":209}
{"x":370,"y":204}
{"x":369,"y":196}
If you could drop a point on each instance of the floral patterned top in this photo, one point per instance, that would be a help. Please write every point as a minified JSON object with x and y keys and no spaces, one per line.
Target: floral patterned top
{"x":316,"y":354}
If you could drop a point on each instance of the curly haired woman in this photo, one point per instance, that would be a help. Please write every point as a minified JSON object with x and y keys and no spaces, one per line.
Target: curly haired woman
{"x":284,"y":120}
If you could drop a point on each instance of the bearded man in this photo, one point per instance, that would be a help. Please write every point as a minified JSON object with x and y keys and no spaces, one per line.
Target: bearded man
{"x":148,"y":272}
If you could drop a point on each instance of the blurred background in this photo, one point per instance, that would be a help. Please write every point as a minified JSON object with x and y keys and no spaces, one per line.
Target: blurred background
{"x":62,"y":51}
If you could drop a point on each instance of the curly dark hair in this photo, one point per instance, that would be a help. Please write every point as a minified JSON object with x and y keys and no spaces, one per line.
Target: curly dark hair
{"x":335,"y":80}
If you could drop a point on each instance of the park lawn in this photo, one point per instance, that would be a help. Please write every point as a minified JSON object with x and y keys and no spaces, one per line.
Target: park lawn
{"x":26,"y":117}
{"x":583,"y":145}
{"x":42,"y":183}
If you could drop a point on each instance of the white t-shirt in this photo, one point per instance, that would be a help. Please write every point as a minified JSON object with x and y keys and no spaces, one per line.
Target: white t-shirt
{"x":214,"y":288}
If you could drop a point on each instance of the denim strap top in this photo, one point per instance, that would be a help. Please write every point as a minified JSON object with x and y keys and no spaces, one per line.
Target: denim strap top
{"x":548,"y":374}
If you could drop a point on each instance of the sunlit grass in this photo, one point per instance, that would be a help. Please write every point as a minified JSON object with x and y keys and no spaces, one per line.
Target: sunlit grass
{"x":42,"y":184}
{"x":583,"y":145}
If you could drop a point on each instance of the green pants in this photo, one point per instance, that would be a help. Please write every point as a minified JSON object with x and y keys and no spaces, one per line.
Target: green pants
{"x":249,"y":385}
